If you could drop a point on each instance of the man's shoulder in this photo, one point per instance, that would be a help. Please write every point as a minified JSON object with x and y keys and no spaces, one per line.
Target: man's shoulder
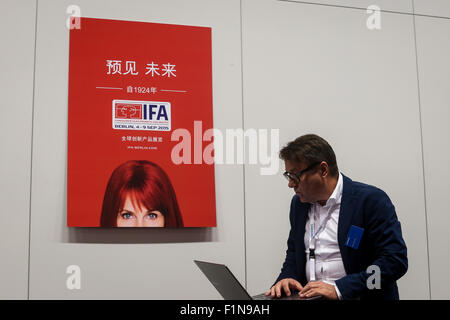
{"x":364,"y":191}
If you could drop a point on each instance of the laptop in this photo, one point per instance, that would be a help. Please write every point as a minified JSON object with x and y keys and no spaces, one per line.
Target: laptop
{"x":229,"y":287}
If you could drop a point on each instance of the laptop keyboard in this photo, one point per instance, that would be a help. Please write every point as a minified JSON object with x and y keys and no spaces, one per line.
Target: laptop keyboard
{"x":262,"y":296}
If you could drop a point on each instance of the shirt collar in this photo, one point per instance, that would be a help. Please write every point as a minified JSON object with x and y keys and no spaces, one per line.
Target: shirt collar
{"x":336,"y":196}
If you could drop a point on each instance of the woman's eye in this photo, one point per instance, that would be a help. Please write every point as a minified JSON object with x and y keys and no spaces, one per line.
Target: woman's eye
{"x":152,"y":216}
{"x":126,"y":215}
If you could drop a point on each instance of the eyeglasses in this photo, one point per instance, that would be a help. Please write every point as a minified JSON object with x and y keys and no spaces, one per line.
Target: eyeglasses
{"x":295,"y":177}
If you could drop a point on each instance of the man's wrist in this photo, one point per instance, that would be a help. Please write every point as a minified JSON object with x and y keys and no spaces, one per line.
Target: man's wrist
{"x":338,"y":293}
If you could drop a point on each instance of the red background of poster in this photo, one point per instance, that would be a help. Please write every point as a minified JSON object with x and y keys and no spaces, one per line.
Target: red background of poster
{"x":95,"y":149}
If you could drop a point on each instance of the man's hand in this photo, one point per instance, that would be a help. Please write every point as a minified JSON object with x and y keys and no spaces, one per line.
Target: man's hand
{"x":286,"y":285}
{"x":319,"y":288}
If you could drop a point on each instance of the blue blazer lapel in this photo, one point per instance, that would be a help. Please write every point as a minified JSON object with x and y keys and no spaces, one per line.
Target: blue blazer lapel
{"x":300,"y":234}
{"x":345,"y":220}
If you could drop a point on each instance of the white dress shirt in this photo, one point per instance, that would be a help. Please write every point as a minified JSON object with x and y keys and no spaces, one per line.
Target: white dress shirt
{"x":328,"y":261}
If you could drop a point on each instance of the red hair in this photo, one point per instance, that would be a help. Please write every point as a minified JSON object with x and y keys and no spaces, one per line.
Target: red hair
{"x":148,"y":185}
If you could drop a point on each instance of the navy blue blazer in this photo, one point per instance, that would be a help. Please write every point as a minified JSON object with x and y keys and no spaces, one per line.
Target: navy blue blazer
{"x":381,"y":244}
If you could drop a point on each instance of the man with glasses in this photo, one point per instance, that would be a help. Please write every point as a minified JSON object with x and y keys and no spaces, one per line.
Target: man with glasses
{"x":345,"y":240}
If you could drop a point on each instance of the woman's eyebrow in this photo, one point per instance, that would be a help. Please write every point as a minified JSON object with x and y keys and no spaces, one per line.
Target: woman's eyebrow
{"x":125,"y":210}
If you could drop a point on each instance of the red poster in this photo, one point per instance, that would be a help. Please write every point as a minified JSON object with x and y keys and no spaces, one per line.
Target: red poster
{"x":132,"y":85}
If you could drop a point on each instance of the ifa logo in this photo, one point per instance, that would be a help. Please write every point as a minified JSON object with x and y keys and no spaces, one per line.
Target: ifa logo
{"x":141,"y":115}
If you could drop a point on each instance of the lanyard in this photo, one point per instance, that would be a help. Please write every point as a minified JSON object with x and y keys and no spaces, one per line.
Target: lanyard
{"x":313,"y":237}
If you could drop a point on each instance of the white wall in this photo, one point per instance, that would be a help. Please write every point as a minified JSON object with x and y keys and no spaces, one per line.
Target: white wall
{"x":305,"y":68}
{"x":17,"y":30}
{"x":437,"y":8}
{"x":385,"y":5}
{"x":433,"y":51}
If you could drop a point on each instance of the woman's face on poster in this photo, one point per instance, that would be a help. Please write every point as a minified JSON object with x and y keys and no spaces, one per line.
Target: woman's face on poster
{"x":135,"y":216}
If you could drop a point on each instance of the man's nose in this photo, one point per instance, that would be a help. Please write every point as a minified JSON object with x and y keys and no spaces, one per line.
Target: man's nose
{"x":292,"y":184}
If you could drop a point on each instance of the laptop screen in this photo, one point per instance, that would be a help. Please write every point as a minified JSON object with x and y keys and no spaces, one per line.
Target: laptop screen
{"x":223,"y":280}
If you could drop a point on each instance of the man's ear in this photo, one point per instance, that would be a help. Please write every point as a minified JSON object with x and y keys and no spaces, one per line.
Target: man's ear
{"x":324,"y":170}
